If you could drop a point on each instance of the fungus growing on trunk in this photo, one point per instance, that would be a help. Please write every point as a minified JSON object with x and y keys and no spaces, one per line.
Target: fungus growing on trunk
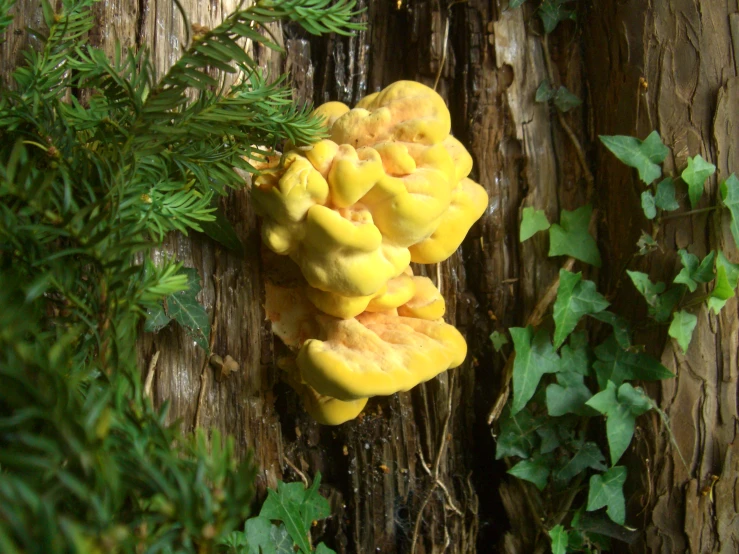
{"x":387,"y":188}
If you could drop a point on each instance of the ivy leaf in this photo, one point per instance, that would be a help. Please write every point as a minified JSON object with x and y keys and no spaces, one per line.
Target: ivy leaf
{"x":535,"y":356}
{"x":323,"y":549}
{"x":693,"y":271}
{"x":575,"y":299}
{"x":618,"y":365}
{"x":221,"y":230}
{"x":660,"y":303}
{"x":185,"y":309}
{"x":648,"y":205}
{"x":722,"y":290}
{"x":258,"y":531}
{"x":646,"y":244}
{"x":281,"y":539}
{"x":549,"y":436}
{"x":564,"y":100}
{"x":515,"y":3}
{"x":575,"y":356}
{"x":589,"y":456}
{"x":607,"y":490}
{"x":650,"y":291}
{"x":730,"y":198}
{"x":498,"y":340}
{"x":644,"y":156}
{"x":621,"y":406}
{"x":560,"y":539}
{"x":544,"y":92}
{"x":536,"y":470}
{"x":681,"y":328}
{"x":571,"y":237}
{"x":156,"y":319}
{"x":297,"y":508}
{"x":665,"y":197}
{"x":552,"y":12}
{"x":568,"y":395}
{"x":695,"y":176}
{"x":621,"y":329}
{"x":532,"y":222}
{"x":517,"y":435}
{"x":731,"y":270}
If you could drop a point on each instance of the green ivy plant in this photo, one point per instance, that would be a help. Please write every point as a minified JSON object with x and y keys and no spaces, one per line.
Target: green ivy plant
{"x":284,"y":522}
{"x":565,"y":386}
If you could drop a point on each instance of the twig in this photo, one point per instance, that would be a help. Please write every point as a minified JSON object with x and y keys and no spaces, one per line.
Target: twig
{"x":150,"y":375}
{"x":300,"y":474}
{"x":211,"y":342}
{"x":688,"y":213}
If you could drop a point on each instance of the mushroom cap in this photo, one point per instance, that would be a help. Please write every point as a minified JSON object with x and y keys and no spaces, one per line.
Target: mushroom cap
{"x":388,"y":187}
{"x":378,"y":354}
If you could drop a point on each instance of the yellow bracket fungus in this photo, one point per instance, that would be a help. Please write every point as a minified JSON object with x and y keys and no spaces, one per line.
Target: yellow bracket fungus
{"x":388,"y":187}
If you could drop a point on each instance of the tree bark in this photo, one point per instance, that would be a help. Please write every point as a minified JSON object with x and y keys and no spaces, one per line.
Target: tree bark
{"x":383,"y":499}
{"x":683,"y":49}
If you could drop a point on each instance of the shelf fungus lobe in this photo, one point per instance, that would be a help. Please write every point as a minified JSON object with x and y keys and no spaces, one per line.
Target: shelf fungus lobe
{"x":389,"y":186}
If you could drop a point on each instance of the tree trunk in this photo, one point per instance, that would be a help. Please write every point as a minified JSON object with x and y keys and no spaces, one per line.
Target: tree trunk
{"x":381,"y":470}
{"x":683,"y":49}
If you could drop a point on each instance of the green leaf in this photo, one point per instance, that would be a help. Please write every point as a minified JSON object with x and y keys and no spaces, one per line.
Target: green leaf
{"x":258,"y":532}
{"x":646,"y":244}
{"x":722,"y":290}
{"x":185,"y":309}
{"x":568,"y":395}
{"x":564,"y":100}
{"x":731,"y":270}
{"x":648,"y":205}
{"x":575,"y":299}
{"x":621,"y":329}
{"x":549,"y":436}
{"x":571,"y":237}
{"x":730,"y":198}
{"x":323,"y":549}
{"x":535,"y":356}
{"x":499,"y":340}
{"x":644,"y":156}
{"x":560,"y":539}
{"x":681,"y":328}
{"x":694,"y":271}
{"x":283,"y":542}
{"x":695,"y":176}
{"x":536,"y":470}
{"x":665,"y":197}
{"x":221,"y":230}
{"x":621,"y":406}
{"x":618,"y":365}
{"x":576,"y":355}
{"x":544,"y":92}
{"x":515,"y":3}
{"x":532,"y":222}
{"x":285,"y":506}
{"x":517,"y":435}
{"x":650,"y":291}
{"x":607,"y":490}
{"x":660,"y":303}
{"x":588,"y":457}
{"x":552,"y":12}
{"x":156,"y":319}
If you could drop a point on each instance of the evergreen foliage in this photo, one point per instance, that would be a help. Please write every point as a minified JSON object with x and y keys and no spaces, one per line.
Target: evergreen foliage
{"x":98,"y":160}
